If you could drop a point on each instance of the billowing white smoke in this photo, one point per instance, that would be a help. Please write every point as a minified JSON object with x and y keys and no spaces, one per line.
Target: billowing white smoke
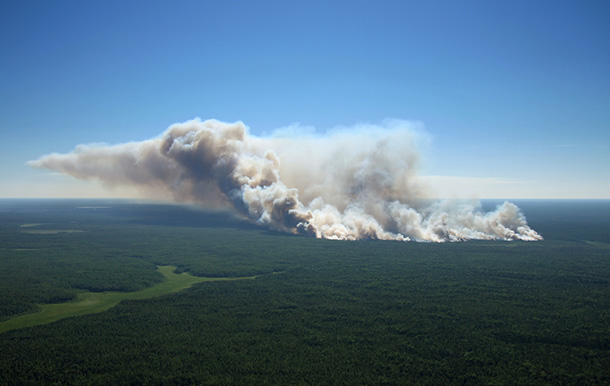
{"x":345,"y":185}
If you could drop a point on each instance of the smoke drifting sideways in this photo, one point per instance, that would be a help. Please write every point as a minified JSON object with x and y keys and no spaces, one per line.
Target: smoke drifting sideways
{"x":347,"y":184}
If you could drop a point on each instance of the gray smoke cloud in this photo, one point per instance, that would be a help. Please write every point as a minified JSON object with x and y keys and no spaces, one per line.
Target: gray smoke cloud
{"x":345,"y":185}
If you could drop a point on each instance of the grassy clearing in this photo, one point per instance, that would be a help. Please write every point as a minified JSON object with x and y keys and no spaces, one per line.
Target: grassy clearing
{"x":51,"y":231}
{"x":598,"y":244}
{"x":92,"y":302}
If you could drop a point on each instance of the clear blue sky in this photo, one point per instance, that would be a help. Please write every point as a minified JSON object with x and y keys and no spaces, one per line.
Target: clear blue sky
{"x":514,"y":94}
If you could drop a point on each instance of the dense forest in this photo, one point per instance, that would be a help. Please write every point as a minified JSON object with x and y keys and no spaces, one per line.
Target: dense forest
{"x":320,"y":313}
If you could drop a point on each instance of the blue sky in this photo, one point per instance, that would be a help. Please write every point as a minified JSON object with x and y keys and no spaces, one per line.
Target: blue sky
{"x":515,"y":96}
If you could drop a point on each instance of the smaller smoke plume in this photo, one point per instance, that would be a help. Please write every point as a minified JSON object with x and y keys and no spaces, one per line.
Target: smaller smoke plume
{"x":345,"y":185}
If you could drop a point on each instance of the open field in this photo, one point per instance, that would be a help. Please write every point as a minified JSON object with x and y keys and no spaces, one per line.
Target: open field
{"x":92,"y":302}
{"x":50,"y":231}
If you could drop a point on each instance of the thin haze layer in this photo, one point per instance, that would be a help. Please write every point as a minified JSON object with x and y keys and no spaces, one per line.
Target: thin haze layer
{"x":345,"y":185}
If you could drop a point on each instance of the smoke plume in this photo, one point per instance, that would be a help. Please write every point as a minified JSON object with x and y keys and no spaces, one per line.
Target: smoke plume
{"x":344,"y":185}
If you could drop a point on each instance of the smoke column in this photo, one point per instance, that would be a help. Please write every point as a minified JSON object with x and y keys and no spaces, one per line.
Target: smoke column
{"x":344,"y":185}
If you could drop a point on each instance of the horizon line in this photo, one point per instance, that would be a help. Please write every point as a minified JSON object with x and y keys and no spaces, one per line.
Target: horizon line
{"x":429,"y":198}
